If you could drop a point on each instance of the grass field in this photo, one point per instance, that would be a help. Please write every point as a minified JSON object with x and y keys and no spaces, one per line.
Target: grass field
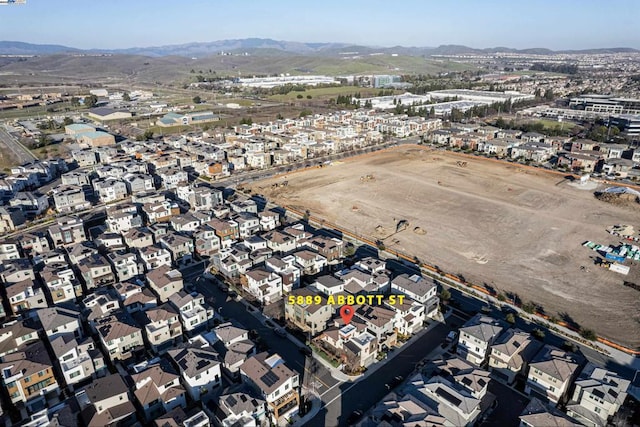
{"x":518,"y":231}
{"x":327,"y":92}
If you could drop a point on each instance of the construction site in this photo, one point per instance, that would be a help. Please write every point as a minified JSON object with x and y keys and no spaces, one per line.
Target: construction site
{"x":513,"y":229}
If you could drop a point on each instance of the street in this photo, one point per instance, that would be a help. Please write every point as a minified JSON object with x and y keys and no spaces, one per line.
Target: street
{"x":17,"y":150}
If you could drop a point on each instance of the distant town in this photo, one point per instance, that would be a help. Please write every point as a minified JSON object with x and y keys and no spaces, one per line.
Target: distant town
{"x":149,"y":279}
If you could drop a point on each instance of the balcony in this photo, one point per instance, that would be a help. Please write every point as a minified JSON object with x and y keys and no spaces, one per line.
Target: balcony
{"x":67,"y":366}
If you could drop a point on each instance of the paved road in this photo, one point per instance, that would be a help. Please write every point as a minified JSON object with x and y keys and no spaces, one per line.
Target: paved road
{"x":340,"y":402}
{"x":17,"y":150}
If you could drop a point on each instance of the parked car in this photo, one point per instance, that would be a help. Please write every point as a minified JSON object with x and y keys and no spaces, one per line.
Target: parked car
{"x":355,"y":416}
{"x":280,"y":332}
{"x":305,"y":350}
{"x":396,"y":381}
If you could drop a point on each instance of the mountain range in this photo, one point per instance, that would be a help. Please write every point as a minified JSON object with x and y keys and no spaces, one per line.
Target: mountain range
{"x":267,"y":47}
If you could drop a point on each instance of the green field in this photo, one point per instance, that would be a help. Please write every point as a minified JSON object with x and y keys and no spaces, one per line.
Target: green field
{"x":327,"y":92}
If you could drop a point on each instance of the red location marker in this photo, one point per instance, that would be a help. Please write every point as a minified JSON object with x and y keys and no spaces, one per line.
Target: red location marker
{"x":346,"y":312}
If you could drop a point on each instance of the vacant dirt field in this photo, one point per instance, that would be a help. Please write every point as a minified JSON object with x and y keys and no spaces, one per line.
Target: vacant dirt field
{"x":518,"y":231}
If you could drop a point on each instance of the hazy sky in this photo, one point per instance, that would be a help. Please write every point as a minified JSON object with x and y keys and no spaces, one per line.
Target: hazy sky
{"x":556,"y":24}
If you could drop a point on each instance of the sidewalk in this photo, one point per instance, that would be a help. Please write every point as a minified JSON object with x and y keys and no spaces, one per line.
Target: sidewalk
{"x":316,"y":405}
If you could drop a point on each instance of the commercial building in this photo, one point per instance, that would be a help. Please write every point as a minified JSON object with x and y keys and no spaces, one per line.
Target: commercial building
{"x":629,"y":124}
{"x":605,"y":104}
{"x":485,"y":96}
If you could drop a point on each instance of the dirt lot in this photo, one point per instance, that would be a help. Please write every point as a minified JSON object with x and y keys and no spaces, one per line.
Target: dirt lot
{"x":518,"y":231}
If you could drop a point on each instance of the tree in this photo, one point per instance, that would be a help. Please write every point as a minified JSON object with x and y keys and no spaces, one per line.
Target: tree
{"x":197,"y":99}
{"x":538,"y":334}
{"x":549,"y":95}
{"x":280,"y":116}
{"x":445,"y":295}
{"x":510,"y":318}
{"x":246,"y":121}
{"x":126,"y":97}
{"x":299,"y":96}
{"x":306,"y":112}
{"x":588,"y":334}
{"x":75,"y":101}
{"x":306,"y":216}
{"x":90,"y":101}
{"x":529,"y":307}
{"x":309,"y":97}
{"x":349,"y":251}
{"x":67,"y":121}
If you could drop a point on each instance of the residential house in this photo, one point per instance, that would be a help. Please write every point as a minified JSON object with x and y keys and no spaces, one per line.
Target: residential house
{"x":269,"y":220}
{"x":328,"y":285}
{"x":160,"y":211}
{"x":106,"y":403}
{"x":447,"y":398}
{"x":409,"y":318}
{"x":34,"y":243}
{"x":195,"y":313}
{"x":158,"y":390}
{"x":537,"y":414}
{"x":164,"y":329}
{"x":123,"y":217}
{"x":418,"y":289}
{"x":227,"y":231}
{"x":10,"y":218}
{"x":61,"y":282}
{"x":28,"y":377}
{"x":138,"y":182}
{"x":181,"y":247}
{"x":25,"y":295}
{"x":240,"y":408}
{"x":15,"y":334}
{"x":96,"y":271}
{"x":125,"y":265}
{"x":597,"y":396}
{"x":57,"y":321}
{"x":476,"y":337}
{"x":154,"y":257}
{"x":280,"y":242}
{"x":9,"y":250}
{"x":138,"y":238}
{"x":274,"y":382}
{"x":233,"y":345}
{"x":186,"y":223}
{"x":310,"y":262}
{"x":207,"y":242}
{"x":287,"y":269}
{"x":16,"y":270}
{"x":511,"y":353}
{"x":165,"y":282}
{"x":78,"y":360}
{"x":266,"y":286}
{"x":119,"y":335}
{"x":379,"y":320}
{"x":551,"y":373}
{"x":330,"y":248}
{"x":67,"y":231}
{"x":70,"y":198}
{"x":312,"y":318}
{"x":110,"y":189}
{"x":199,"y":368}
{"x":31,"y":203}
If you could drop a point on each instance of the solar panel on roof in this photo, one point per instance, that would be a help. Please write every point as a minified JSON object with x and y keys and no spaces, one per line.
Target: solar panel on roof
{"x":270,"y":378}
{"x":448,"y":396}
{"x":232,"y":400}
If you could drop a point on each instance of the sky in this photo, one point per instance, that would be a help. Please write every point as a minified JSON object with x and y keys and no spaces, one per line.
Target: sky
{"x":112,"y":24}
